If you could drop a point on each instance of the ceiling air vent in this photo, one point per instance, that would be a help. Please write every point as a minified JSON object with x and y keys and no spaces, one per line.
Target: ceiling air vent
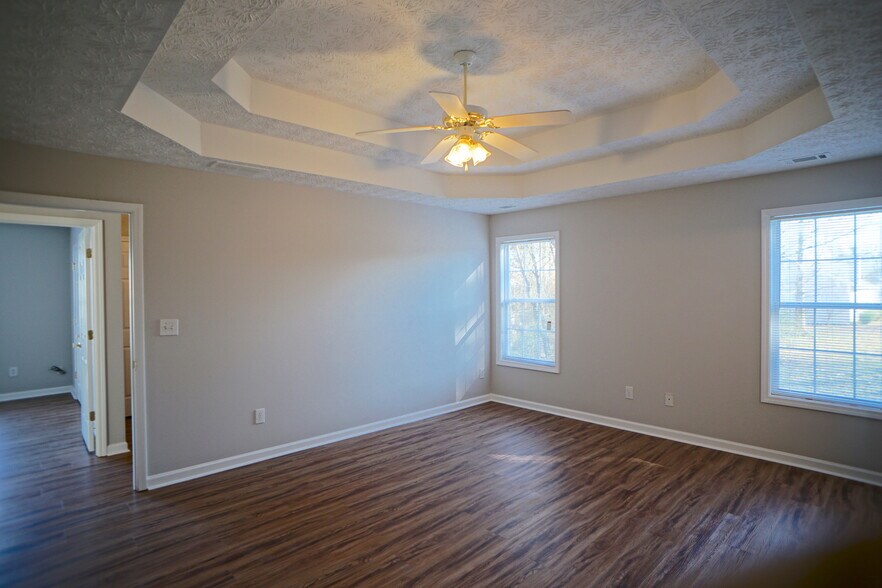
{"x":807,"y":158}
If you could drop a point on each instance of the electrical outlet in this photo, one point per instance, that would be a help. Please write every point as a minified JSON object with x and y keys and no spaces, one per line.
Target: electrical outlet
{"x":259,"y":416}
{"x":13,"y":372}
{"x":629,"y":392}
{"x":481,"y":373}
{"x":669,"y":399}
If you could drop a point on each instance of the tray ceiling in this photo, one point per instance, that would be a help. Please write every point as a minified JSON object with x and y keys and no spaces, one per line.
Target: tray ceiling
{"x":665,"y":93}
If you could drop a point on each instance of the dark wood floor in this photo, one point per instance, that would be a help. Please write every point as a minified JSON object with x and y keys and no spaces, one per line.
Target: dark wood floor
{"x":489,"y":496}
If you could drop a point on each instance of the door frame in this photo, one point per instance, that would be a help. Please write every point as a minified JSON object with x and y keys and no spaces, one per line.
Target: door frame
{"x":47,"y":205}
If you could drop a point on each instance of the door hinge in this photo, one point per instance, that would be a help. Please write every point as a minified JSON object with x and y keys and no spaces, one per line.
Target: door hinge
{"x":91,"y":334}
{"x":91,"y":415}
{"x":89,"y":253}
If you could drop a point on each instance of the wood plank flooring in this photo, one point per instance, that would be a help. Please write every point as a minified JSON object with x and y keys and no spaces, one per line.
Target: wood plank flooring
{"x":489,"y":496}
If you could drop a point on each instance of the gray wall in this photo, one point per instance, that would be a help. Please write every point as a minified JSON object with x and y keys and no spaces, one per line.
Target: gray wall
{"x":35,"y":307}
{"x":329,"y":310}
{"x":332,"y":310}
{"x":661,"y":291}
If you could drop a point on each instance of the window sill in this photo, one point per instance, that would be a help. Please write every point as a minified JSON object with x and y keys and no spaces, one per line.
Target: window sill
{"x":823,"y":405}
{"x":538,"y":367}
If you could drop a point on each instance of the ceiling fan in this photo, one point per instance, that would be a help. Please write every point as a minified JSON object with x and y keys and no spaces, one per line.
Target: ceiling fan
{"x":470,"y":126}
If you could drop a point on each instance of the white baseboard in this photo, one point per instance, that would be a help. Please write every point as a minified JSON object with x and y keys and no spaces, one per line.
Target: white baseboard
{"x":7,"y":396}
{"x":205,"y":469}
{"x":117,"y":448}
{"x":800,"y":461}
{"x":213,"y":467}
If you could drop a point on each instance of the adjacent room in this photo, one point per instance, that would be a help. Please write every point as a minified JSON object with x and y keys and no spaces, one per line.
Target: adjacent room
{"x":36,"y":311}
{"x":385,"y":293}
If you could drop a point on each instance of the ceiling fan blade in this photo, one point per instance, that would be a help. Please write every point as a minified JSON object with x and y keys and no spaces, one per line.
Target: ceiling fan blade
{"x":510,"y":146}
{"x":533,"y":119}
{"x":451,"y":104}
{"x":401,"y":130}
{"x":440,"y":149}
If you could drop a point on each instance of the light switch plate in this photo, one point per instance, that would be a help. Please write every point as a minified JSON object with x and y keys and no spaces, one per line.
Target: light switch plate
{"x":168,"y":327}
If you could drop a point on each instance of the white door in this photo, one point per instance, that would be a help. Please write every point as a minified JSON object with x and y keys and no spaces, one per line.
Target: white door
{"x":82,"y":344}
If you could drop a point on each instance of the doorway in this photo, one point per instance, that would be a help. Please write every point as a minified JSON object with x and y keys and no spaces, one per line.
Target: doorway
{"x":87,"y":312}
{"x":107,"y":305}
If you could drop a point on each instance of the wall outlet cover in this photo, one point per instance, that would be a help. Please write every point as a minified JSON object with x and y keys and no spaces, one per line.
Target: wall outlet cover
{"x":669,"y":399}
{"x":168,"y":327}
{"x":13,"y":372}
{"x":259,"y":416}
{"x":629,"y":392}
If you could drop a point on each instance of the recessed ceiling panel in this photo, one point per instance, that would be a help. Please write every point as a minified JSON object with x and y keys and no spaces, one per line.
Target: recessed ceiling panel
{"x":383,"y":57}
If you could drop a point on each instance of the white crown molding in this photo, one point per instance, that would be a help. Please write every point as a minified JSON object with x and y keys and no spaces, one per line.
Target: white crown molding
{"x":220,"y":465}
{"x":787,"y":122}
{"x":641,"y":120}
{"x":225,"y":143}
{"x":265,"y":99}
{"x":790,"y":459}
{"x":795,"y":118}
{"x":262,"y":98}
{"x":236,"y":145}
{"x":167,"y":119}
{"x":8,"y":396}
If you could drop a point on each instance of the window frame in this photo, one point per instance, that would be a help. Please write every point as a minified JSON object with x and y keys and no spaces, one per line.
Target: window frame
{"x":500,"y":285}
{"x":768,"y":395}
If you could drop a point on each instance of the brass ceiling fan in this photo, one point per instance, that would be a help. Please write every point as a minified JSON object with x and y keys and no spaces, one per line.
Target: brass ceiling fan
{"x":470,"y":126}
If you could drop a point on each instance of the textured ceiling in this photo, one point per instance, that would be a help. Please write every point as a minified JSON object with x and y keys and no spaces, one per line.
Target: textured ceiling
{"x":755,"y":42}
{"x":384,"y":56}
{"x":69,"y":66}
{"x":194,"y":50}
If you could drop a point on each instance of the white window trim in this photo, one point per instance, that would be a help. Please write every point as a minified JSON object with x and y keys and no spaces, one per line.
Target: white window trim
{"x":770,"y":396}
{"x":500,"y":360}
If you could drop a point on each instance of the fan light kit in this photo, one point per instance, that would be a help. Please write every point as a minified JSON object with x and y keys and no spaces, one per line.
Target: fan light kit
{"x":471,"y":127}
{"x":466,"y":149}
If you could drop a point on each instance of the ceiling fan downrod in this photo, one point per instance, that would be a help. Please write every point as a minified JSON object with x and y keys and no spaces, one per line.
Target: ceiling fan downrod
{"x":465,"y":58}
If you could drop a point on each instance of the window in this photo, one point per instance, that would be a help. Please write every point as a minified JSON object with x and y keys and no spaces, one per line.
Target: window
{"x":822,"y":327}
{"x":528,"y":311}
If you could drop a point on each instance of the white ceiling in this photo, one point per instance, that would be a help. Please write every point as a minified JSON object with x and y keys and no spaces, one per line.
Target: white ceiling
{"x":71,"y":66}
{"x":384,"y":56}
